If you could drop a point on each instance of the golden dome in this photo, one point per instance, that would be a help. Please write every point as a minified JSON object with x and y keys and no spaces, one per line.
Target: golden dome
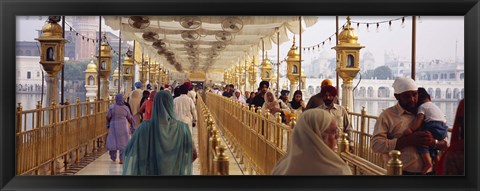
{"x":115,"y":73}
{"x":91,"y":67}
{"x":293,"y":53}
{"x":52,"y":29}
{"x":266,"y":64}
{"x":348,"y":35}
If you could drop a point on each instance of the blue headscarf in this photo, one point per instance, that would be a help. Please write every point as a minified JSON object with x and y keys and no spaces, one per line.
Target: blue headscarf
{"x":138,"y":84}
{"x":162,"y":145}
{"x":119,"y":99}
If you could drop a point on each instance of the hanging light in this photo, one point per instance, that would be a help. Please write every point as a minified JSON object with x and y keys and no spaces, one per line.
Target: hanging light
{"x":403,"y":22}
{"x":390,"y":26}
{"x":368,"y":29}
{"x":378,"y":28}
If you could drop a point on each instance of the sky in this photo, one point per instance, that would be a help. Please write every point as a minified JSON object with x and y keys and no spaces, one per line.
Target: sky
{"x":437,"y":36}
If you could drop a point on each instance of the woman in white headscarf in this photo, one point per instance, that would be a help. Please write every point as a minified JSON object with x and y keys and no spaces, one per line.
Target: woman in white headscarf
{"x":311,"y":150}
{"x":274,"y":105}
{"x":237,"y":96}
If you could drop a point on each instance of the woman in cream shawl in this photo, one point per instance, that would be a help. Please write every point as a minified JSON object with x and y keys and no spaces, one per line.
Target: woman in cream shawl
{"x":274,"y":105}
{"x":311,"y":150}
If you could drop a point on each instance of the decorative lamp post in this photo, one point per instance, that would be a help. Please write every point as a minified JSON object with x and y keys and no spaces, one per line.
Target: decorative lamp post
{"x":143,"y":74}
{"x":347,"y":66}
{"x":252,"y":70}
{"x":304,"y":80}
{"x":115,"y":79}
{"x":226,"y":76}
{"x":241,"y":77}
{"x":52,"y":55}
{"x":104,"y":67}
{"x":293,"y":66}
{"x":128,"y":70}
{"x":91,"y":80}
{"x":153,"y":75}
{"x":266,"y":70}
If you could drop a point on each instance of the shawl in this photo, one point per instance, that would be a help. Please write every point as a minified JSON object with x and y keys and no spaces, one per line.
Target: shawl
{"x":160,"y":146}
{"x":307,"y":153}
{"x":293,"y":103}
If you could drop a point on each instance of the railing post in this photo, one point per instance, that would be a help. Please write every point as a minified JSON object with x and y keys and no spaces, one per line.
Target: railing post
{"x":53,"y":136}
{"x":92,"y":131}
{"x":394,"y":165}
{"x":265,"y":124}
{"x":342,"y":144}
{"x":37,"y":137}
{"x":220,"y":162}
{"x":293,"y":122}
{"x":78,"y":128}
{"x":19,"y":139}
{"x":278,"y":117}
{"x":363,"y":121}
{"x":259,"y":124}
{"x":67,"y":134}
{"x":213,"y":142}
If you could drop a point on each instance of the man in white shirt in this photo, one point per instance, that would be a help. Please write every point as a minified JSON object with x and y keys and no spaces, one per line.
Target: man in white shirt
{"x":191,"y":93}
{"x":394,"y":120}
{"x":134,"y":102}
{"x":185,"y":108}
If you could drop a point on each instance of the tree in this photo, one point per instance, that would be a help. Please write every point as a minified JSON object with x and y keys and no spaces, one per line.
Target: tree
{"x":383,"y":73}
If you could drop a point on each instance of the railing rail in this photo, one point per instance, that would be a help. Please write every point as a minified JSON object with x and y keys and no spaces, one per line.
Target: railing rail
{"x":213,"y":160}
{"x":261,"y":140}
{"x":50,"y":139}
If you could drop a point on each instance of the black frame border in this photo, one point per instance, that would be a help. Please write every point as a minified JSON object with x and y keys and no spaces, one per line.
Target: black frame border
{"x":9,"y":9}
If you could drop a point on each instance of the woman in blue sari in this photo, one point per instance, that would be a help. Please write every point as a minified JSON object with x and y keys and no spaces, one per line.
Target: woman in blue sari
{"x":161,"y":145}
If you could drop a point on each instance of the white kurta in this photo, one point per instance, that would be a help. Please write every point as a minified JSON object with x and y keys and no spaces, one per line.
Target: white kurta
{"x":192,"y":94}
{"x":185,"y":110}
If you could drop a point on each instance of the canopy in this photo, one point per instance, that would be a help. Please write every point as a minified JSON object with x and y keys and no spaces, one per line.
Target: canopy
{"x":191,"y":43}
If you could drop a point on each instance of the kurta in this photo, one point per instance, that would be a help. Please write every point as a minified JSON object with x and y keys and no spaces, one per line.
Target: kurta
{"x":117,"y":138}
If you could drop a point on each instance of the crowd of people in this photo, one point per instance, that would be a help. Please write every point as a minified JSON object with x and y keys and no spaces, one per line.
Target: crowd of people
{"x":161,"y":124}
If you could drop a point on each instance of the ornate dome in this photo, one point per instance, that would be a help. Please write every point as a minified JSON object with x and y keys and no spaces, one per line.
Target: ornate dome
{"x":91,"y":67}
{"x":52,"y":29}
{"x":293,"y":53}
{"x":115,"y":73}
{"x":348,"y":35}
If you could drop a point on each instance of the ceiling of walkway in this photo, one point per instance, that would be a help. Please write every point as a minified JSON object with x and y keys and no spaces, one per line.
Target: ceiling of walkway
{"x":192,"y":43}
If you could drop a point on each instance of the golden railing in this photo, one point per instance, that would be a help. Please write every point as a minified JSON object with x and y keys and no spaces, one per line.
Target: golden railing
{"x":360,"y":135}
{"x":213,"y":160}
{"x":50,"y":139}
{"x":261,"y":140}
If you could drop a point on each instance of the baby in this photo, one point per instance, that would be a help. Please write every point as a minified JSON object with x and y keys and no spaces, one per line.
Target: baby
{"x":435,"y":123}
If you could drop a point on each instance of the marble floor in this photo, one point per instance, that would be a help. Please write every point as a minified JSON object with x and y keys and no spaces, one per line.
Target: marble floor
{"x":104,"y":166}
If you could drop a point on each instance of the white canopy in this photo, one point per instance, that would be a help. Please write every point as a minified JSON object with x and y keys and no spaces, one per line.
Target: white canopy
{"x":206,"y":42}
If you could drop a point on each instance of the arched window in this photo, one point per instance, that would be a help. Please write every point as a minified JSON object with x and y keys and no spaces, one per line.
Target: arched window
{"x":103,"y":66}
{"x":19,"y":53}
{"x":267,"y":75}
{"x":462,"y":76}
{"x":456,"y":93}
{"x":317,"y":89}
{"x":294,"y":69}
{"x":115,"y":82}
{"x":91,"y":80}
{"x":448,"y":94}
{"x":50,"y":56}
{"x":28,"y":53}
{"x":438,"y":93}
{"x":370,"y":92}
{"x":310,"y":90}
{"x":363,"y":92}
{"x":430,"y":91}
{"x":127,"y":70}
{"x":29,"y":75}
{"x":383,"y":92}
{"x":350,"y":61}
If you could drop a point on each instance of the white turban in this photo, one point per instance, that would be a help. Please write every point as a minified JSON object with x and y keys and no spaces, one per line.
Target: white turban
{"x":401,"y":85}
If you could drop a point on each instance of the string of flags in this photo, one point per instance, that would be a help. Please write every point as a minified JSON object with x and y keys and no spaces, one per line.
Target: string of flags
{"x":93,"y":40}
{"x":377,"y":24}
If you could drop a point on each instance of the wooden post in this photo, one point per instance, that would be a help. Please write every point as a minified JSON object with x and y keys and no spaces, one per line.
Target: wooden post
{"x":342,"y":143}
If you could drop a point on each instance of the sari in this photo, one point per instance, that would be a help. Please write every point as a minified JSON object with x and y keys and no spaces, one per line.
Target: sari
{"x":161,"y":145}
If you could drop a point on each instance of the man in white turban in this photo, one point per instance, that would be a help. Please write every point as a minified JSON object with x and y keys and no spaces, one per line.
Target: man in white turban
{"x":394,"y":120}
